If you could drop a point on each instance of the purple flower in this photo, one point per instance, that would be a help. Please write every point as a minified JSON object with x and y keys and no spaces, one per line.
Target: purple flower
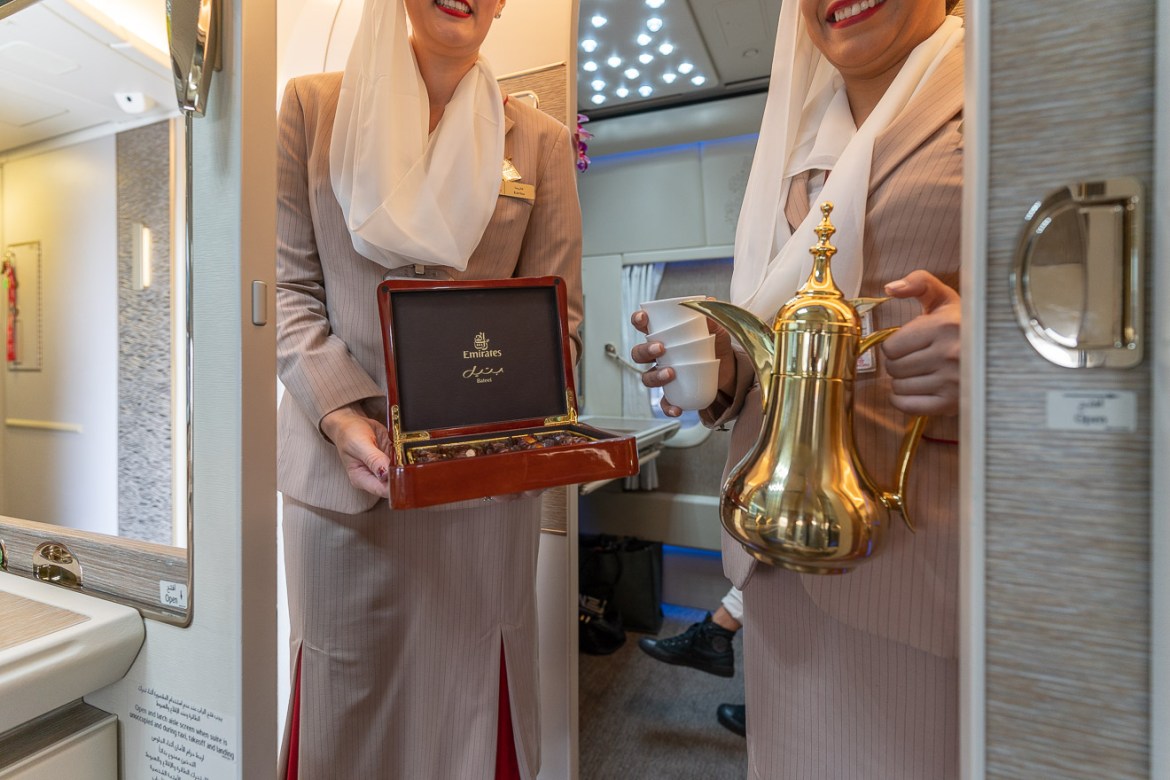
{"x":582,"y":136}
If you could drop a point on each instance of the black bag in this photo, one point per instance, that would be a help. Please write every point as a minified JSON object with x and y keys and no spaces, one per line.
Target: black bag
{"x":628,"y":572}
{"x":599,"y":624}
{"x":639,"y":591}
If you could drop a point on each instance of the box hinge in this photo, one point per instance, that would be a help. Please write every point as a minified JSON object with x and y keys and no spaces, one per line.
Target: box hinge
{"x":562,"y":419}
{"x":400,"y":438}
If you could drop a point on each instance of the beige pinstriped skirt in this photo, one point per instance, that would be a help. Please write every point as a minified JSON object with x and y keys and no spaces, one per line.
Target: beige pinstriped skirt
{"x":829,"y":702}
{"x":398,"y":619}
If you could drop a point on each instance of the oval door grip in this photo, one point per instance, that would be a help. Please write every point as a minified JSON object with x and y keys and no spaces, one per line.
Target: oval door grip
{"x":1077,"y":277}
{"x":53,"y":562}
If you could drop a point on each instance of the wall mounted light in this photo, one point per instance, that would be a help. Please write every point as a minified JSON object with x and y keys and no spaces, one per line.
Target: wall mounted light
{"x":140,"y":261}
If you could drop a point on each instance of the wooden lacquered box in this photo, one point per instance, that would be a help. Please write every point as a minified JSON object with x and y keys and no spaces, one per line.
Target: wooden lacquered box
{"x":480,"y":393}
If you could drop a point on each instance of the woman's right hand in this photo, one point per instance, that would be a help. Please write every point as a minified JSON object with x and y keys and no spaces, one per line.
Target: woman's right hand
{"x":650,"y":351}
{"x":362,"y":444}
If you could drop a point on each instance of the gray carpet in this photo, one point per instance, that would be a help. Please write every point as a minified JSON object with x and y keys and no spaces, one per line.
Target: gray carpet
{"x":641,"y":719}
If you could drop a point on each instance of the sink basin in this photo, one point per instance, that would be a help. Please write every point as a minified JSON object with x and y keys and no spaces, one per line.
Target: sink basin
{"x":57,"y":646}
{"x":648,"y":431}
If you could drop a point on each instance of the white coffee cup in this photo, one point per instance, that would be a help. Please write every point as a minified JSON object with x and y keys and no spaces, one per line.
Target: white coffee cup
{"x":689,"y":351}
{"x":687,"y":330}
{"x":666,"y":312}
{"x":694,"y":386}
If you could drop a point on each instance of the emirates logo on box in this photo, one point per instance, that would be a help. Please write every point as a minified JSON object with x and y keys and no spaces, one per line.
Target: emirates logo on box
{"x":481,"y":348}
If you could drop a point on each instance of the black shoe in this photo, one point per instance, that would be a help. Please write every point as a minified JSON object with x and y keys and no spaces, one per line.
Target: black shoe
{"x":733,"y":717}
{"x":704,"y":646}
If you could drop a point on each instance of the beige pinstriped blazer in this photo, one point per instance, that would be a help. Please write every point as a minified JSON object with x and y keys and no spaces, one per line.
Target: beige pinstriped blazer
{"x":909,"y":591}
{"x":329,"y":346}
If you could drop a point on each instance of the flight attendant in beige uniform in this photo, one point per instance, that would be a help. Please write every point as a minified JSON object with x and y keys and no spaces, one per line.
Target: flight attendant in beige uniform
{"x":413,"y":632}
{"x":856,"y":676}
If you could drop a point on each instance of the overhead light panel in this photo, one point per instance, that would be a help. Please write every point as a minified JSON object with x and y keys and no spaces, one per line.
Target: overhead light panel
{"x":648,"y":50}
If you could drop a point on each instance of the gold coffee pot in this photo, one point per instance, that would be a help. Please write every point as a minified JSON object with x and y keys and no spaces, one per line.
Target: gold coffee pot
{"x":801,"y":498}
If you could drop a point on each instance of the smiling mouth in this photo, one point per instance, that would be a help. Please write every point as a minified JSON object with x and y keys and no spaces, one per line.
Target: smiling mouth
{"x":846,"y":12}
{"x":455,"y":7}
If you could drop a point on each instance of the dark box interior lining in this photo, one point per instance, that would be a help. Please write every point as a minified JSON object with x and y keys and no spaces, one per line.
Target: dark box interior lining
{"x":478,"y":356}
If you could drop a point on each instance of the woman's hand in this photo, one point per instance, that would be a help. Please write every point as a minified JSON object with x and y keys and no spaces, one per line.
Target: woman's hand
{"x":922,"y":357}
{"x":362,"y":445}
{"x":650,"y":351}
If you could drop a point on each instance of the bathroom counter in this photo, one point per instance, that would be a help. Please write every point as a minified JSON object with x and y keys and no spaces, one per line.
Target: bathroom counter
{"x":57,"y":646}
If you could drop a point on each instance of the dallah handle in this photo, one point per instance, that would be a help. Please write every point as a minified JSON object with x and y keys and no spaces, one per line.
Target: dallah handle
{"x":893,"y":500}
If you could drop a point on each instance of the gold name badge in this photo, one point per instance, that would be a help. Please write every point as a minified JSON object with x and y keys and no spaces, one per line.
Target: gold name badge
{"x":514,"y":189}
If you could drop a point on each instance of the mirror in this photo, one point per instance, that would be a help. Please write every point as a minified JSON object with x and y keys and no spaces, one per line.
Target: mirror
{"x":94,"y":432}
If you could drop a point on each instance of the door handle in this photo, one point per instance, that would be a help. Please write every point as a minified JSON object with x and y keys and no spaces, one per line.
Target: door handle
{"x":1078,"y":272}
{"x":52,"y":562}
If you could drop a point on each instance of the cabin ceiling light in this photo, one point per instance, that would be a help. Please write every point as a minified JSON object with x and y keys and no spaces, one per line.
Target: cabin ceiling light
{"x":652,"y":49}
{"x":598,"y":99}
{"x":598,"y":85}
{"x":699,"y":81}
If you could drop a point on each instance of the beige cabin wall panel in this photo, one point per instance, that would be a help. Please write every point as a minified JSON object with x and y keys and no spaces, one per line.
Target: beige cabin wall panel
{"x":1067,"y":514}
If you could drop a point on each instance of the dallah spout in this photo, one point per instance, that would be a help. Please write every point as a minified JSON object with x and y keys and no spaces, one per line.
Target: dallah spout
{"x":752,"y":333}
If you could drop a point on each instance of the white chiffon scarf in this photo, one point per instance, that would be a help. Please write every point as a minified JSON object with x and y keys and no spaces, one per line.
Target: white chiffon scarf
{"x":772,"y":262}
{"x":409,"y":198}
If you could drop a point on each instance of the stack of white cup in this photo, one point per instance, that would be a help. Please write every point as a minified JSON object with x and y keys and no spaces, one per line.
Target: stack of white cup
{"x":689,"y":350}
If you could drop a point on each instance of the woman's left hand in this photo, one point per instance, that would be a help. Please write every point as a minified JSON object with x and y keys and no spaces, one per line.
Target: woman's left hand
{"x":922,"y":357}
